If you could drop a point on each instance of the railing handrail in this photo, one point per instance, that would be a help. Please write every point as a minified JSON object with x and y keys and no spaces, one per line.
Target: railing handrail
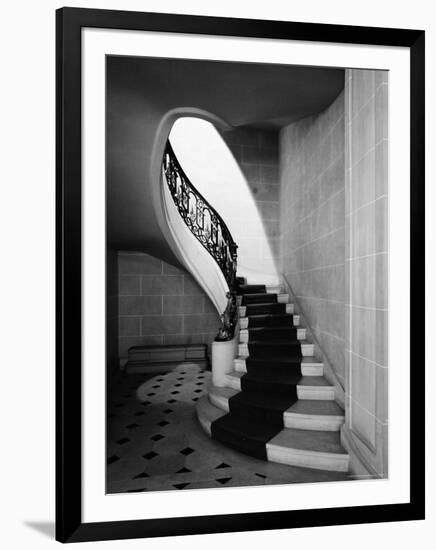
{"x":170,"y":151}
{"x":210,"y":230}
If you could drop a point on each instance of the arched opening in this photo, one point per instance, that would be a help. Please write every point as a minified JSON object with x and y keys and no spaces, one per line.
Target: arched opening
{"x":212,"y":169}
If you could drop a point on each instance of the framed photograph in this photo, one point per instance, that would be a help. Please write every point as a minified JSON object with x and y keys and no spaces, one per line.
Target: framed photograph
{"x":240,"y":274}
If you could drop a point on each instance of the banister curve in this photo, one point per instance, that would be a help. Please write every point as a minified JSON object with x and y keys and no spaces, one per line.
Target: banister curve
{"x":206,"y":224}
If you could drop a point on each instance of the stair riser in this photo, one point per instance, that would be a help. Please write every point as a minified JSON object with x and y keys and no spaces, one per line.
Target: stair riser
{"x":307,"y":350}
{"x":244,"y":335}
{"x":205,"y":424}
{"x":234,"y":382}
{"x":274,"y":289}
{"x":281,"y":299}
{"x":243,"y":309}
{"x":312,"y":370}
{"x":306,"y":370}
{"x":244,"y":321}
{"x":307,"y":459}
{"x":220,"y":402}
{"x":316,"y":393}
{"x":313,"y":422}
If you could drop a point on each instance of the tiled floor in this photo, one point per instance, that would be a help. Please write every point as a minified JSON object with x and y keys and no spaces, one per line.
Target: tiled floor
{"x":155,"y":442}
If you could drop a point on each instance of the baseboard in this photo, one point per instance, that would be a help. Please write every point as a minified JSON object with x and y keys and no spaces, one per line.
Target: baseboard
{"x":140,"y":367}
{"x":358,"y":466}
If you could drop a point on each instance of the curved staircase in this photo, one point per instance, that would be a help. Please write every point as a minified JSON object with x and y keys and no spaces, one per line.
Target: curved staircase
{"x":276,"y":405}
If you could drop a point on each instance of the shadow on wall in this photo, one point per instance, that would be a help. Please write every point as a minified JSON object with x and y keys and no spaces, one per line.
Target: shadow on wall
{"x":213,"y":170}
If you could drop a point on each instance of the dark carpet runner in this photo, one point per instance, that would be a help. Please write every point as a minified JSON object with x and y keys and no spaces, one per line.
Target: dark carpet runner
{"x":273,"y":371}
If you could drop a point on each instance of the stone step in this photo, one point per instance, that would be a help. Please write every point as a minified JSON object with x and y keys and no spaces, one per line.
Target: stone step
{"x":310,"y":366}
{"x":220,"y":397}
{"x":315,"y":449}
{"x":258,"y":298}
{"x":244,"y":322}
{"x":242,"y":309}
{"x":314,"y":415}
{"x":302,"y":413}
{"x":308,"y":449}
{"x":307,"y":349}
{"x":233,"y":379}
{"x":207,"y":413}
{"x":274,"y":289}
{"x":315,"y":388}
{"x":244,"y":335}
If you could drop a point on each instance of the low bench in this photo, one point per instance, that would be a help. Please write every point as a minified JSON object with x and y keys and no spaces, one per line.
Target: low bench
{"x":157,"y":359}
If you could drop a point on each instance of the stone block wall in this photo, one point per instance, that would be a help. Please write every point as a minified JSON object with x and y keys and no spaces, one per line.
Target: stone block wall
{"x":161,"y":304}
{"x":112,"y":360}
{"x":366,"y":96}
{"x":312,"y":225}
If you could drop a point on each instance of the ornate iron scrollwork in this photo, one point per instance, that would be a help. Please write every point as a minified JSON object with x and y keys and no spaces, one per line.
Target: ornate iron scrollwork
{"x":208,"y":227}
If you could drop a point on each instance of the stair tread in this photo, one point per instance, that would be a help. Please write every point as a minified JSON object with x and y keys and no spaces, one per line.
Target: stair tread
{"x":314,"y":381}
{"x":245,"y":429}
{"x":236,"y":374}
{"x":320,"y":408}
{"x":277,"y":379}
{"x":274,"y":343}
{"x":267,"y":315}
{"x":225,"y":391}
{"x":259,"y":330}
{"x":306,"y":360}
{"x":265,"y":401}
{"x":252,"y":289}
{"x":262,"y":309}
{"x":309,"y":440}
{"x":257,"y":294}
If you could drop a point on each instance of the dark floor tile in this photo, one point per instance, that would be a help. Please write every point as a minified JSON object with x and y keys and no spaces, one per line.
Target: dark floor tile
{"x":150,"y":455}
{"x":187,"y":451}
{"x":180,"y":485}
{"x":141,"y":475}
{"x":183,"y":471}
{"x":223,"y":480}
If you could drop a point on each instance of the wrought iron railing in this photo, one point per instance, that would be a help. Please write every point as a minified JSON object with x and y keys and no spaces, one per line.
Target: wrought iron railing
{"x":208,"y":227}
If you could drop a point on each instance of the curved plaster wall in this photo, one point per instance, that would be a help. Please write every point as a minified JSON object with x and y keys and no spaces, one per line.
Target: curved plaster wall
{"x":144,"y":98}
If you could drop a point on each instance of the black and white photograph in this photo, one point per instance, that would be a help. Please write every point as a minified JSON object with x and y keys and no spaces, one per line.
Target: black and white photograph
{"x":247,"y":255}
{"x":217,"y":266}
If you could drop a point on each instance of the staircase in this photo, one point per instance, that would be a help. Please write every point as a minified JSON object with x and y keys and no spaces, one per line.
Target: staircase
{"x":276,"y":405}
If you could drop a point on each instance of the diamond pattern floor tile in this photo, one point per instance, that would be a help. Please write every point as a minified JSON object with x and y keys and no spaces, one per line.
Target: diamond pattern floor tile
{"x":155,"y":443}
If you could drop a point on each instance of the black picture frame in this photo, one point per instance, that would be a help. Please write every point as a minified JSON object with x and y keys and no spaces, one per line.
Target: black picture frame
{"x":69,"y":525}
